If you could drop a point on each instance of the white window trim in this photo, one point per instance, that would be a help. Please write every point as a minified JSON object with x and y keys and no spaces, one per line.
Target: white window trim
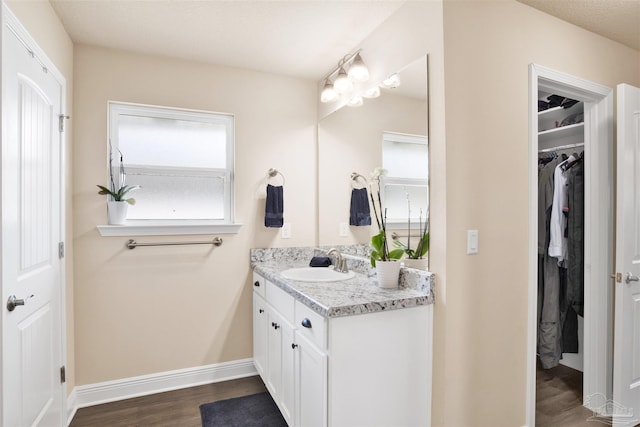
{"x":176,"y":227}
{"x":143,"y":228}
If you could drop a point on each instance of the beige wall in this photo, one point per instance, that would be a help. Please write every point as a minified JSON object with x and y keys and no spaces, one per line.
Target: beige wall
{"x":350,"y":140}
{"x":44,"y":26}
{"x":162,"y":308}
{"x":481,"y":327}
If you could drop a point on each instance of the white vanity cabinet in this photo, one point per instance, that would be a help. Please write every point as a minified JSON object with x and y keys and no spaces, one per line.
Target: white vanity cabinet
{"x":369,"y":369}
{"x":273,"y":336}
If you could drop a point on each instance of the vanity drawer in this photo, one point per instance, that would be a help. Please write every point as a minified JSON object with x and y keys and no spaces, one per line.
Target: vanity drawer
{"x":311,"y":325}
{"x":281,"y":301}
{"x":259,"y":285}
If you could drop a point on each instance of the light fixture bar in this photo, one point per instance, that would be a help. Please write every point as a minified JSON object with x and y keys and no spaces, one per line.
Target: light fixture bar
{"x":344,"y":61}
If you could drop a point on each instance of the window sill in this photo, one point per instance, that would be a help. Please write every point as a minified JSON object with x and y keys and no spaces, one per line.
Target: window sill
{"x":133,"y":228}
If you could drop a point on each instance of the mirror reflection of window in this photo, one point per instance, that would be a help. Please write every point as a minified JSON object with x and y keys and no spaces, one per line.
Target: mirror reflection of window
{"x":404,"y":189}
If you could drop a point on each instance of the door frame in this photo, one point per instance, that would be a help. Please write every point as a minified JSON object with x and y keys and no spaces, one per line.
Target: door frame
{"x":598,"y":239}
{"x":11,"y":23}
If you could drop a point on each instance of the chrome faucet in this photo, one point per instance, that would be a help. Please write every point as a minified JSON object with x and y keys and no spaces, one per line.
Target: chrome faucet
{"x":341,"y":263}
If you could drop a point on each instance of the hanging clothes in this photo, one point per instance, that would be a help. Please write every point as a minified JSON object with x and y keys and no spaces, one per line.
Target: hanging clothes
{"x":549,"y":330}
{"x":560,"y":257}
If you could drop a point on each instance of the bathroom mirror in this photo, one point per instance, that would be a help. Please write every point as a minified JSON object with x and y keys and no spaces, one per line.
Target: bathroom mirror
{"x":390,"y":131}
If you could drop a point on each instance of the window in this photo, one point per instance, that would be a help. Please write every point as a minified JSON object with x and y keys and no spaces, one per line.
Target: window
{"x":182,"y":159}
{"x":406,"y":159}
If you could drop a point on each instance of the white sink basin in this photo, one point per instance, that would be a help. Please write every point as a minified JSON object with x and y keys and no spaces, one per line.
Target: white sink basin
{"x":316,"y":274}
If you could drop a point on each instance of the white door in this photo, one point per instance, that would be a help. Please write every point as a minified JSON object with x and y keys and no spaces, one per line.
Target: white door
{"x":626,"y":372}
{"x":31,"y":230}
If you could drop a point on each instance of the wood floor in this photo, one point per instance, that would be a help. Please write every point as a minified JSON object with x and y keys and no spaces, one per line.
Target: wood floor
{"x":559,"y":403}
{"x":559,"y":399}
{"x":178,"y":408}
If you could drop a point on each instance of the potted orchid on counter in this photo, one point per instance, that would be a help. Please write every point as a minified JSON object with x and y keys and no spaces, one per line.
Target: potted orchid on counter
{"x":384,"y":260}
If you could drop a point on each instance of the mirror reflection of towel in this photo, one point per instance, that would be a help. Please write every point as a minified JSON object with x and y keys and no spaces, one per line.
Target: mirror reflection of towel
{"x":360,"y":214}
{"x":274,"y":207}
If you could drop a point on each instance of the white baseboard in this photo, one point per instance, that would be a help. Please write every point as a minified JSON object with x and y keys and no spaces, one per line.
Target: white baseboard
{"x":72,"y":405}
{"x":111,"y":391}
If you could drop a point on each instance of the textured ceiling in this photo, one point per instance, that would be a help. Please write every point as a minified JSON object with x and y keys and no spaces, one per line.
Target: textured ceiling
{"x":618,"y":20}
{"x":302,"y":38}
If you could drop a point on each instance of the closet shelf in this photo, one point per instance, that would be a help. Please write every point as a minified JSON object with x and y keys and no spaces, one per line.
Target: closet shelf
{"x":561,"y":132}
{"x":550,"y":110}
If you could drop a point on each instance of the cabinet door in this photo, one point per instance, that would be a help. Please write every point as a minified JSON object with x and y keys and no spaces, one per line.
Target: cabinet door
{"x":287,"y":397}
{"x":281,"y":365}
{"x":273,"y":379}
{"x":311,"y":384}
{"x":260,"y":331}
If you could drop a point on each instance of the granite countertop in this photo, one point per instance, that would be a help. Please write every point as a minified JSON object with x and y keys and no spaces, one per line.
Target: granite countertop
{"x":357,"y":295}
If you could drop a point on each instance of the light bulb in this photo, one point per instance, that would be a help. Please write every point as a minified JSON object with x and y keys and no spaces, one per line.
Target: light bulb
{"x":391,"y":82}
{"x":342,"y":83}
{"x":373,"y":92}
{"x":358,"y":71}
{"x":329,"y":93}
{"x":356,"y":101}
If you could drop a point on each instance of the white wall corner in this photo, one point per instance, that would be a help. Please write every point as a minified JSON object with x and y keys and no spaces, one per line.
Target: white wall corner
{"x":126,"y":388}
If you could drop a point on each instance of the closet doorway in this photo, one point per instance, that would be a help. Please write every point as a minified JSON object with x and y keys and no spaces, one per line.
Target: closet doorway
{"x":584,"y":126}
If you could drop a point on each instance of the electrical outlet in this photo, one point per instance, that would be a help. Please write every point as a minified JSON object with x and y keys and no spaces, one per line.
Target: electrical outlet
{"x":286,"y":230}
{"x":344,"y":229}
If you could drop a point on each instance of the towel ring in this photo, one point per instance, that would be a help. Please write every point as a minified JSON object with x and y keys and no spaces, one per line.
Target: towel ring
{"x":355,"y":177}
{"x":272,"y":173}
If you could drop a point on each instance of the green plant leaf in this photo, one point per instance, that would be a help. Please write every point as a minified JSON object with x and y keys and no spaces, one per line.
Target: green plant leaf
{"x":396,"y":254}
{"x":377,"y":242}
{"x":423,"y":246}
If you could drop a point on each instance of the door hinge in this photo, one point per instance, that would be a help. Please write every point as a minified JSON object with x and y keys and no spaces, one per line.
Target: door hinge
{"x":63,"y":375}
{"x":61,"y":250}
{"x":61,"y":119}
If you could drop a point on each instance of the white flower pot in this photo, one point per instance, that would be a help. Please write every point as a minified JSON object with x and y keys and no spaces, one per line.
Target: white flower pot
{"x":117,"y":212}
{"x":419,"y":264}
{"x":388,"y":273}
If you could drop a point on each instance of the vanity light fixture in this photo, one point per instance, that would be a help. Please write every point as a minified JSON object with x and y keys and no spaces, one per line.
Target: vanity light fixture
{"x":358,"y":71}
{"x":329,"y":93}
{"x":373,"y":92}
{"x":342,"y":83}
{"x":350,"y":69}
{"x":391,"y":82}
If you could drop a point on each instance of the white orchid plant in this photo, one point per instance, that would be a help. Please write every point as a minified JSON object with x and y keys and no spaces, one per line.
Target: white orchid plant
{"x":379,"y":245}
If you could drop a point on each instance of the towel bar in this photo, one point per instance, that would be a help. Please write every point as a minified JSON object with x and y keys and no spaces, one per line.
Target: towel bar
{"x":132,"y":244}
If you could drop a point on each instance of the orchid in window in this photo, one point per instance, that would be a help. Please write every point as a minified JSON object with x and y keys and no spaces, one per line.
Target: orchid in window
{"x":379,"y":245}
{"x":423,"y":243}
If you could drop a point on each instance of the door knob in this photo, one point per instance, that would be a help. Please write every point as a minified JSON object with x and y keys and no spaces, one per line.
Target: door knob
{"x":14,"y":302}
{"x":631,"y":278}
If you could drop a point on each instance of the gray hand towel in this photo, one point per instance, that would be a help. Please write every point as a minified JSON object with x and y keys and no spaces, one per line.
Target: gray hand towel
{"x":274,"y":207}
{"x":360,"y":214}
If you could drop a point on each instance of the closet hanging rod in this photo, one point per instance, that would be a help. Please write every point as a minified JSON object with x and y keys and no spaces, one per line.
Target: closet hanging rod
{"x":561,"y":147}
{"x":132,"y":244}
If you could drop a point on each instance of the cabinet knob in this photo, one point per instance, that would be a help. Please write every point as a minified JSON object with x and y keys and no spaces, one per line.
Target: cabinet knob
{"x":294,"y":346}
{"x":256,"y":284}
{"x":261,"y":311}
{"x":275,"y":325}
{"x":306,"y":323}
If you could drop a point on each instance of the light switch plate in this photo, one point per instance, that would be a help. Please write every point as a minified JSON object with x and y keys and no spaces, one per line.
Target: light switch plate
{"x":286,"y":230}
{"x":472,"y":242}
{"x":344,"y":229}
